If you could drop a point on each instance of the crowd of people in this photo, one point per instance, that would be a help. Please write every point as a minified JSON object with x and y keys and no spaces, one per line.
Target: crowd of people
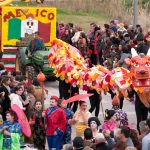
{"x":109,"y":46}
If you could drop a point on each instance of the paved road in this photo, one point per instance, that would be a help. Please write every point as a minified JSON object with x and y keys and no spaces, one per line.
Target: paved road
{"x":106,"y":102}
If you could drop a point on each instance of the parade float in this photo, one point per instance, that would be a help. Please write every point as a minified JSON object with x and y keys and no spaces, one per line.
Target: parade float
{"x":17,"y":27}
{"x":70,"y":66}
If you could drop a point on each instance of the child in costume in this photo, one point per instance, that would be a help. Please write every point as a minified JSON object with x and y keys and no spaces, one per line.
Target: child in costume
{"x":121,"y":116}
{"x":38,"y":127}
{"x":10,"y":132}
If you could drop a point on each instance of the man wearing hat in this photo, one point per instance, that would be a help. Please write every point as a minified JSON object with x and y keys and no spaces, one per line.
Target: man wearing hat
{"x":56,"y":124}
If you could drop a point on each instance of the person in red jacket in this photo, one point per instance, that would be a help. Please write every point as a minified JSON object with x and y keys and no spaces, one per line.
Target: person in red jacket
{"x":56,"y":124}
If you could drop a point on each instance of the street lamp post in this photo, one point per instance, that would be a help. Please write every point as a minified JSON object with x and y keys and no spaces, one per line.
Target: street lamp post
{"x":135,"y":20}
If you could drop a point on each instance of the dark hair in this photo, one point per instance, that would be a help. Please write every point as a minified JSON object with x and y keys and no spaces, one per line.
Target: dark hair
{"x":148,"y":122}
{"x":140,"y":37}
{"x":78,"y":143}
{"x":135,"y":139}
{"x":17,"y":88}
{"x":70,"y":24}
{"x":35,"y":82}
{"x":81,"y":102}
{"x":12,"y":113}
{"x":126,"y":131}
{"x":109,"y":114}
{"x":37,"y":102}
{"x":94,"y":119}
{"x":138,"y":25}
{"x":2,"y":66}
{"x":36,"y":32}
{"x":88,"y":135}
{"x":5,"y":79}
{"x":93,"y":24}
{"x":106,"y":26}
{"x":19,"y":78}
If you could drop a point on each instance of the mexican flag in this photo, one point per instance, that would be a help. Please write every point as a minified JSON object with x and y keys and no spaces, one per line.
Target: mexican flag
{"x":26,"y":26}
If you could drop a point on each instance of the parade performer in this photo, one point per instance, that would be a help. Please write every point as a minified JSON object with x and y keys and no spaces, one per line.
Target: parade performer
{"x":121,"y":116}
{"x":81,"y":117}
{"x":11,"y":132}
{"x":110,"y":122}
{"x":94,"y":124}
{"x":69,"y":115}
{"x":56,"y":124}
{"x":70,"y":66}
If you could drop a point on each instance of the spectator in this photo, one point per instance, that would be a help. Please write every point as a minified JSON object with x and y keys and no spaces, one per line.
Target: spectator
{"x":38,"y":126}
{"x":130,"y":148}
{"x":15,"y":98}
{"x":11,"y":131}
{"x":125,"y":136}
{"x":143,"y":130}
{"x":67,"y":147}
{"x":5,"y":88}
{"x":88,"y":138}
{"x":145,"y":140}
{"x":32,"y":100}
{"x":100,"y":142}
{"x":135,"y":138}
{"x":78,"y":143}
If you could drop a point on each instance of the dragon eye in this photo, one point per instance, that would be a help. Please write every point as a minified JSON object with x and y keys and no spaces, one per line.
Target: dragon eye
{"x":136,"y":65}
{"x":147,"y":65}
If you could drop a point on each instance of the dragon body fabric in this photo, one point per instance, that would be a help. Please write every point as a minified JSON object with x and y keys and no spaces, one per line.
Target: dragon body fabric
{"x":72,"y":67}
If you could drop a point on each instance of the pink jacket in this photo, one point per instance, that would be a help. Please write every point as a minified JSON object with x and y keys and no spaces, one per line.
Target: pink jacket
{"x":109,"y":125}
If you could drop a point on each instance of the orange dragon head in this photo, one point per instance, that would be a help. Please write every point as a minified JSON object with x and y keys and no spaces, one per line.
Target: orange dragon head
{"x":140,"y":72}
{"x":140,"y":69}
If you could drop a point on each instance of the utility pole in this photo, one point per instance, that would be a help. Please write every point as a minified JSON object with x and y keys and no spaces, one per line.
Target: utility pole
{"x":135,"y":20}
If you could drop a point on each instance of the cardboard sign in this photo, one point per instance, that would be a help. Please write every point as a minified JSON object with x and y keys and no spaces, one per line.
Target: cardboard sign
{"x":19,"y":21}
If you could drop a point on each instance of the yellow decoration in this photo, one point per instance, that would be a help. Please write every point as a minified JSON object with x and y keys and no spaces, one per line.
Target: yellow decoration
{"x":5,"y":2}
{"x":27,"y":1}
{"x":43,"y":14}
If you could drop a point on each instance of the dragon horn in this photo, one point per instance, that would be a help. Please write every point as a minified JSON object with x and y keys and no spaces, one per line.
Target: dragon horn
{"x":148,"y":53}
{"x":133,"y":52}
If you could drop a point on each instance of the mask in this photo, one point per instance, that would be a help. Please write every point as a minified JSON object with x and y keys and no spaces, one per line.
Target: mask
{"x":93,"y":125}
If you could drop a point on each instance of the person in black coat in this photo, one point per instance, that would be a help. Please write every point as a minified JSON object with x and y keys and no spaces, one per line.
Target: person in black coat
{"x":74,"y":105}
{"x":95,"y":102}
{"x":5,"y":103}
{"x":64,"y":89}
{"x":140,"y":109}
